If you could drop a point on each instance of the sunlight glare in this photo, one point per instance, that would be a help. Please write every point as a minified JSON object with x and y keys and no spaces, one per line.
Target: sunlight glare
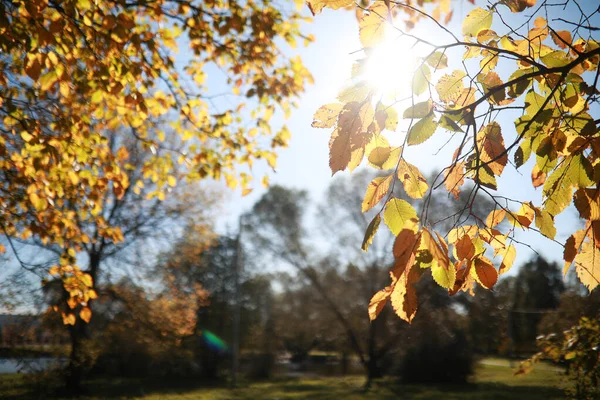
{"x":391,"y":66}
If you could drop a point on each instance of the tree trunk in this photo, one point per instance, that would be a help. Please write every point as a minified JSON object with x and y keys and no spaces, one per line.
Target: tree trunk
{"x":373,"y":369}
{"x":74,"y":373}
{"x":78,"y":333}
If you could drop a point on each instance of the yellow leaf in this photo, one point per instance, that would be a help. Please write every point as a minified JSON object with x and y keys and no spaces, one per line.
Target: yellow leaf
{"x":495,"y":217}
{"x":379,"y":156}
{"x":587,"y":266}
{"x":398,"y":215}
{"x":372,"y":26}
{"x":68,"y":319}
{"x":415,"y":184}
{"x":508,"y":257}
{"x":171,"y":181}
{"x":450,"y":86}
{"x":316,"y":6}
{"x":476,"y":21}
{"x":38,"y":202}
{"x":376,"y":190}
{"x":327,"y":115}
{"x":404,"y":294}
{"x":524,"y":217}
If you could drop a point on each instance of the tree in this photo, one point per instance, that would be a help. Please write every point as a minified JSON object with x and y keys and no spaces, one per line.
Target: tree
{"x":73,"y":72}
{"x":193,"y":262}
{"x":142,"y":224}
{"x":550,"y":69}
{"x":537,"y":291}
{"x":328,"y":273}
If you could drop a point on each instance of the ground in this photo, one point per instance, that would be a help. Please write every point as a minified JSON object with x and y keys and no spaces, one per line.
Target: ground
{"x":493,"y":380}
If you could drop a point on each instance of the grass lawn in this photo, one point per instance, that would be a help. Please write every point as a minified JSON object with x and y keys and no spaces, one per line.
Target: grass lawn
{"x":493,"y":381}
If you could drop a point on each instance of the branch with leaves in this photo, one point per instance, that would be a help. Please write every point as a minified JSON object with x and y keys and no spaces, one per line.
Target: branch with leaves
{"x":552,"y":82}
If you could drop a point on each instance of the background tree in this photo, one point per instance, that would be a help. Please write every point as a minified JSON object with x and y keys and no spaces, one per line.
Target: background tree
{"x":537,"y":291}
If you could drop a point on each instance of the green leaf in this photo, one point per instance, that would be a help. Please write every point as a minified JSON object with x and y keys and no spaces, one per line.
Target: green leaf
{"x":357,"y":92}
{"x":556,"y":59}
{"x":422,"y":130}
{"x":448,"y":124}
{"x":523,"y":152}
{"x":421,"y":79}
{"x":419,"y":110}
{"x":476,"y":21}
{"x":371,"y":231}
{"x":397,"y":214}
{"x":437,"y":60}
{"x":545,"y":223}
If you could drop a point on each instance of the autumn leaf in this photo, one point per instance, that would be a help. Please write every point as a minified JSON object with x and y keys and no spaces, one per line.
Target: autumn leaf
{"x":398,"y":214}
{"x":415,"y":184}
{"x":464,"y":248}
{"x":492,"y":148}
{"x":562,"y":39}
{"x":373,"y":24}
{"x":587,"y":265}
{"x":455,"y":178}
{"x":421,"y":131}
{"x":327,"y":115}
{"x":316,"y":6}
{"x":495,"y":217}
{"x":378,"y":301}
{"x":508,"y":255}
{"x":518,"y":5}
{"x":476,"y":21}
{"x":371,"y":231}
{"x":404,"y":294}
{"x":485,"y":273}
{"x":450,"y":86}
{"x":572,"y":246}
{"x":419,"y":110}
{"x":379,"y":156}
{"x":545,"y":223}
{"x":376,"y":190}
{"x":85,"y":314}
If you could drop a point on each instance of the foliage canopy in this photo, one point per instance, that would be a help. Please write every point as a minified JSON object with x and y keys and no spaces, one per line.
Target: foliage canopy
{"x":75,"y":72}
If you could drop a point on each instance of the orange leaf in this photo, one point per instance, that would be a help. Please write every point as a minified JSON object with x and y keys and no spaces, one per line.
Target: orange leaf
{"x":455,"y":177}
{"x":85,"y":314}
{"x":378,"y":301}
{"x":485,"y":273}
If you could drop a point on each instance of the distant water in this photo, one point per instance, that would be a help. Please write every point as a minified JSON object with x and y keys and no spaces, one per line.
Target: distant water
{"x":29,"y":365}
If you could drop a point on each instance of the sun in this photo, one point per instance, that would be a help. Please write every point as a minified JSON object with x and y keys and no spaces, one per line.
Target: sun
{"x":390,"y":67}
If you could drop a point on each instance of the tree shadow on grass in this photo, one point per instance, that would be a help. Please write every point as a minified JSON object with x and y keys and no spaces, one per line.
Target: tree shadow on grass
{"x":480,"y":391}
